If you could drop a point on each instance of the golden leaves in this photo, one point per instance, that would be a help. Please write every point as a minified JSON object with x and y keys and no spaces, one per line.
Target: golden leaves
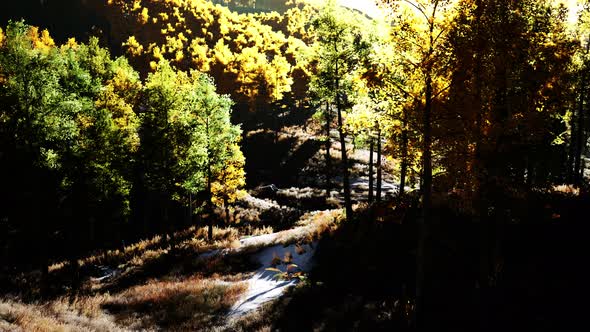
{"x":219,"y":43}
{"x":41,"y":41}
{"x":133,"y":46}
{"x":222,"y":53}
{"x":144,"y":16}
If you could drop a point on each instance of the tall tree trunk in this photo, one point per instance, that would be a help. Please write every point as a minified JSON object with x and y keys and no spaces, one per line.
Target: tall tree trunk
{"x":580,"y":129}
{"x":379,"y":170}
{"x":480,"y":209}
{"x":74,"y":246}
{"x":209,"y":192}
{"x":424,"y":221}
{"x":530,"y":169}
{"x":328,"y":146}
{"x":44,"y":255}
{"x":572,"y":150}
{"x":226,"y":206}
{"x":404,"y":161}
{"x":276,"y":125}
{"x":371,"y":146}
{"x":345,"y":175}
{"x":190,"y":208}
{"x":146,"y":204}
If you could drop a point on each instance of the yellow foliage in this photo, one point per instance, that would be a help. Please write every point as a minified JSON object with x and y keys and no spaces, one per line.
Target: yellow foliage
{"x":71,"y":43}
{"x":220,"y":38}
{"x":179,"y":56}
{"x":85,"y":121}
{"x":144,"y":16}
{"x":43,"y":41}
{"x":133,"y":46}
{"x":199,"y":54}
{"x":222,"y":53}
{"x":2,"y":37}
{"x":170,"y":28}
{"x":157,"y":53}
{"x":136,"y":4}
{"x":227,"y":188}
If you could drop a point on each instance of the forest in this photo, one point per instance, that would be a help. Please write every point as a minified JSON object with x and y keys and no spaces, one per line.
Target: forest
{"x":294,"y":165}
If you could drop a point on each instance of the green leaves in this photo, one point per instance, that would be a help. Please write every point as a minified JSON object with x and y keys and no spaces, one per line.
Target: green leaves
{"x":63,"y":109}
{"x":191,"y":122}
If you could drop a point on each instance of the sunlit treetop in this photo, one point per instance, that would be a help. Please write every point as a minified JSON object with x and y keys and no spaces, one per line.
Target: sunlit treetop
{"x":259,"y":53}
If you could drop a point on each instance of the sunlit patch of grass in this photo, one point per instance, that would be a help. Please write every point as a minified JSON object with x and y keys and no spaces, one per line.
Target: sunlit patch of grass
{"x":256,"y":231}
{"x":62,"y":314}
{"x":566,"y":189}
{"x":148,"y":250}
{"x":320,"y":222}
{"x":189,"y":304}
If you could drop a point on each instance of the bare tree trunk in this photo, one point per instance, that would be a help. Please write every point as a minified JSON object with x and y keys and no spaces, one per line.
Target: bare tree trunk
{"x":580,"y":130}
{"x":479,"y":207}
{"x":44,"y":255}
{"x":276,"y":125}
{"x":226,"y":206}
{"x":74,"y":250}
{"x":424,"y":221}
{"x":379,"y":170}
{"x":209,"y":192}
{"x":345,"y":174}
{"x":530,"y":169}
{"x":572,"y":151}
{"x":328,"y":146}
{"x":190,"y":209}
{"x":371,"y":145}
{"x":404,"y":165}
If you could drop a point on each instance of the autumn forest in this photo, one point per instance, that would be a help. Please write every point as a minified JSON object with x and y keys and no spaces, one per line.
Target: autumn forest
{"x":294,"y":165}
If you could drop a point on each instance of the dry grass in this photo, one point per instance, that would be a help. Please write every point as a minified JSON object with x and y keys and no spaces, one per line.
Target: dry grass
{"x":80,"y":314}
{"x":320,"y":222}
{"x":256,"y":321}
{"x":568,"y":190}
{"x":257,"y":231}
{"x":310,"y":227}
{"x":189,"y":304}
{"x":186,"y":305}
{"x":146,"y":251}
{"x":152,"y":289}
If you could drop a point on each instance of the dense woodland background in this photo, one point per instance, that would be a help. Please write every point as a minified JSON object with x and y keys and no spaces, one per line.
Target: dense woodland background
{"x":446,"y":142}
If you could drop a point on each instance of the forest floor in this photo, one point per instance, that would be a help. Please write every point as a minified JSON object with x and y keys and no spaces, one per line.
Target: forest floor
{"x":179,"y":286}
